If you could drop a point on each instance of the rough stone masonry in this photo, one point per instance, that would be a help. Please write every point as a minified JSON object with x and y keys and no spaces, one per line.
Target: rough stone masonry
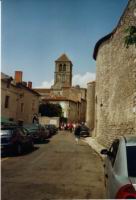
{"x":115,"y":92}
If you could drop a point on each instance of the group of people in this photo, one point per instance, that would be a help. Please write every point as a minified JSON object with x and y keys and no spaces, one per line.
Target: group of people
{"x":76,"y":128}
{"x":68,"y":126}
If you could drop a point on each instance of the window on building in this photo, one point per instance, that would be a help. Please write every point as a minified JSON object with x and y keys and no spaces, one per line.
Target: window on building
{"x":6,"y":101}
{"x":64,"y":67}
{"x":60,"y":67}
{"x":22,"y":107}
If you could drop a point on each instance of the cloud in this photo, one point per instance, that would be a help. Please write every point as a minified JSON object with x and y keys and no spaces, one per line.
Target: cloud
{"x":78,"y":79}
{"x":46,"y":84}
{"x":82,"y":80}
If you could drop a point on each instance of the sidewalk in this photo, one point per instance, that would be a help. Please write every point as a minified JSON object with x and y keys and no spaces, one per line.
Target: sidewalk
{"x":95,"y":145}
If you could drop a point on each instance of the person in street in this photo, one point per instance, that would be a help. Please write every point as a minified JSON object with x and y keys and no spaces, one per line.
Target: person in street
{"x":74,"y":126}
{"x":70,"y":127}
{"x":35,"y":119}
{"x":65,"y":126}
{"x":77,"y":132}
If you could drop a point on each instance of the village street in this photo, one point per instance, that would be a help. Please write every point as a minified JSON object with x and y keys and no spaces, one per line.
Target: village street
{"x":58,"y":169}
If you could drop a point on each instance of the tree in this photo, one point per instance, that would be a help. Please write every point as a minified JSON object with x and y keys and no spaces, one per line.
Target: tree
{"x":50,"y":110}
{"x":130,"y":38}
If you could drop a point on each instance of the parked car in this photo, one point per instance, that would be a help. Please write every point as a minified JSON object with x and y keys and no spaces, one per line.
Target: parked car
{"x":120,"y":168}
{"x":38,"y":132}
{"x":15,"y":140}
{"x":52,"y":129}
{"x":84,"y":131}
{"x":53,"y":126}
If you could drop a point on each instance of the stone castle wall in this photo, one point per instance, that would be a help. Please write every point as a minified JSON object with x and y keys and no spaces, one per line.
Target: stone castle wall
{"x":90,"y":111}
{"x":116,"y":84}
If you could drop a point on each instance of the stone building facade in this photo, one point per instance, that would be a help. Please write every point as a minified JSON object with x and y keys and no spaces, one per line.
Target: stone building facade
{"x":63,"y":72}
{"x":18,"y":101}
{"x":90,"y":110}
{"x":9,"y":96}
{"x":115,"y":92}
{"x":72,"y":99}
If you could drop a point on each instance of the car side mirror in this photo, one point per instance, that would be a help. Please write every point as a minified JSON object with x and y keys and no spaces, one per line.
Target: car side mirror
{"x":104,"y":152}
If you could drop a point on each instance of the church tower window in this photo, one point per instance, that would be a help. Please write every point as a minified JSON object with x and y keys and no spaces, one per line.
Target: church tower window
{"x":64,"y":67}
{"x":60,"y":67}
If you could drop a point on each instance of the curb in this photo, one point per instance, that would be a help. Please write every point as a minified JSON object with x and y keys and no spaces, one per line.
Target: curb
{"x":94,"y":145}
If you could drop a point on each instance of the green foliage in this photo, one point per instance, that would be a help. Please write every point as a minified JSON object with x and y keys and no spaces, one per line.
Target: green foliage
{"x":130,"y":38}
{"x":50,"y":110}
{"x":63,"y":120}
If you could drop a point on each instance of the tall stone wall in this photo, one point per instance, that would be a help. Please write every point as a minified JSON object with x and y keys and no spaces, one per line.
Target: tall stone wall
{"x":73,"y":112}
{"x":90,"y":111}
{"x":83,"y":111}
{"x":116,"y":83}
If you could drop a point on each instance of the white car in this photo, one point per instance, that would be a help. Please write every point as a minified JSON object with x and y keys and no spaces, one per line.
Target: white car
{"x":120,"y":168}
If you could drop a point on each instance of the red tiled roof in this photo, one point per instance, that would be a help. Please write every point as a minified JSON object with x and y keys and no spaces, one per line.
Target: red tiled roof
{"x":20,"y":85}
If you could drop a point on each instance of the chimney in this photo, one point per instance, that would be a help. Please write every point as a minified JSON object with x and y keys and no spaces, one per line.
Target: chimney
{"x":30,"y":84}
{"x":18,"y":76}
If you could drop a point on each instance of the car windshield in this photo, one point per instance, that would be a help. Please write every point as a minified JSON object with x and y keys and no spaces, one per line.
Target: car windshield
{"x":5,"y":132}
{"x":131,"y":161}
{"x":31,"y":126}
{"x":84,"y":128}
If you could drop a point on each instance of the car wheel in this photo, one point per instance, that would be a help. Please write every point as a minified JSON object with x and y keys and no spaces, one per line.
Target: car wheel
{"x":32,"y":145}
{"x":19,"y":149}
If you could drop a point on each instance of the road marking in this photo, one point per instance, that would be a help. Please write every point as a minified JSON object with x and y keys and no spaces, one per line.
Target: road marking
{"x":3,"y":159}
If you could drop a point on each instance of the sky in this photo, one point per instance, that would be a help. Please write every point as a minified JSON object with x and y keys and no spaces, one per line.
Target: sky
{"x":36,"y":32}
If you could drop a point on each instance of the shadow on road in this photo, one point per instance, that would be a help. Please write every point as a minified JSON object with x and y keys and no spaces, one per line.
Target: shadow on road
{"x":26,"y":152}
{"x":42,"y":142}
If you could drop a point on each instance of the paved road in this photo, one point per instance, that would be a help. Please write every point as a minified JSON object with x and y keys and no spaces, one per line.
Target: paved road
{"x":59,"y":169}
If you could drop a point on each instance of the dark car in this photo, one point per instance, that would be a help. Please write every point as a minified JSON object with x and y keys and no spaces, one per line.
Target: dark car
{"x":15,"y":140}
{"x":52,"y":129}
{"x":37,"y":131}
{"x":53,"y":126}
{"x":84,"y":131}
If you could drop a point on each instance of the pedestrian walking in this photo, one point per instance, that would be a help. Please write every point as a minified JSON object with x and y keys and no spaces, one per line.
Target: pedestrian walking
{"x":74,"y":126}
{"x":77,"y":133}
{"x":70,"y":127}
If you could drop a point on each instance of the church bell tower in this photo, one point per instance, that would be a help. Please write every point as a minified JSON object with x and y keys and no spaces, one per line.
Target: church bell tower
{"x":63,"y":72}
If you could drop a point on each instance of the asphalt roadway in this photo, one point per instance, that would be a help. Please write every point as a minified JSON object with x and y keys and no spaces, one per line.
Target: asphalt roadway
{"x":57,"y":169}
